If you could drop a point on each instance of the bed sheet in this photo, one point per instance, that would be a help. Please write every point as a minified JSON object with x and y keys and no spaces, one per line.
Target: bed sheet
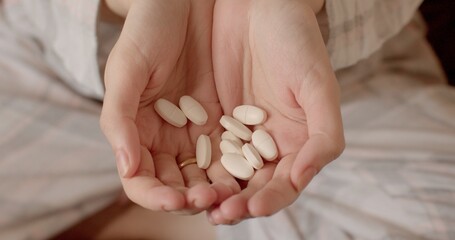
{"x":395,"y":180}
{"x":55,"y":165}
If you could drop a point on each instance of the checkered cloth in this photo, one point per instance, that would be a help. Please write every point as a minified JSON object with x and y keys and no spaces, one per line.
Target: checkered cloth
{"x":395,"y":180}
{"x":55,"y":165}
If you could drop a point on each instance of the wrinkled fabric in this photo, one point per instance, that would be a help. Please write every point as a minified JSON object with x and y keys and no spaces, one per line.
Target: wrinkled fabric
{"x":394,"y":181}
{"x":358,"y":28}
{"x":66,"y":32}
{"x":56,"y":167}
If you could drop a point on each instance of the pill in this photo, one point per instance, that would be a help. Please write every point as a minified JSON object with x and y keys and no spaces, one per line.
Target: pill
{"x":236,"y":127}
{"x":249,"y":115}
{"x":231,"y":137}
{"x":237,"y":166}
{"x":252,"y":155}
{"x":203,"y":151}
{"x":228,"y":146}
{"x":193,"y":110}
{"x":264,"y":144}
{"x":170,"y":112}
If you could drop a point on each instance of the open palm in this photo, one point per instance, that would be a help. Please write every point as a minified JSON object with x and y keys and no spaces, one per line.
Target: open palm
{"x":272,"y":55}
{"x":164,"y":51}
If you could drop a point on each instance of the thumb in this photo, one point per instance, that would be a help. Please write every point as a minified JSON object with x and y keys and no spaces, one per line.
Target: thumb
{"x":317,"y":152}
{"x":125,"y":80}
{"x":325,"y":128}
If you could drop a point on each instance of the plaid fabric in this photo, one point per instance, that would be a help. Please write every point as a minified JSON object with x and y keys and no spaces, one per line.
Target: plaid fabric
{"x":358,"y":28}
{"x":394,"y":181}
{"x":55,"y":165}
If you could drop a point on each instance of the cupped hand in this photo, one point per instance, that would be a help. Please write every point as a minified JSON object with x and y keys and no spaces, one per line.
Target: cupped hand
{"x":164,"y":51}
{"x":270,"y":53}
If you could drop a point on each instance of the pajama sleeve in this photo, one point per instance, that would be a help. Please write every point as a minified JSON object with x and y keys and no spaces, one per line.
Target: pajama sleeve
{"x":358,"y":28}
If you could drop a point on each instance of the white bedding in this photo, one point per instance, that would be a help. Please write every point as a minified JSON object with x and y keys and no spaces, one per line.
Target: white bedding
{"x":395,"y":180}
{"x":55,"y":165}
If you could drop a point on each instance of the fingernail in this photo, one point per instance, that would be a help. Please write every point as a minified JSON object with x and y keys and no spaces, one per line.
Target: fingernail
{"x":306,"y":177}
{"x":123,"y":164}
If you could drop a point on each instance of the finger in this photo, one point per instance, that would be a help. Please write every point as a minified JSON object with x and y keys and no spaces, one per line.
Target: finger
{"x":193,"y":175}
{"x":149,"y":192}
{"x":277,"y":193}
{"x":169,"y":173}
{"x":223,"y":183}
{"x":325,"y":128}
{"x":125,"y":80}
{"x":235,"y":208}
{"x":167,"y":170}
{"x":199,"y":194}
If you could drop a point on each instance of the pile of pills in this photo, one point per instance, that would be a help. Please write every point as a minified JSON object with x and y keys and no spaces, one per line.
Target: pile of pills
{"x":243,"y":150}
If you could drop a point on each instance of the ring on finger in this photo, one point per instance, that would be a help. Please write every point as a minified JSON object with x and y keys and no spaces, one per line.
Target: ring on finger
{"x":187,"y":162}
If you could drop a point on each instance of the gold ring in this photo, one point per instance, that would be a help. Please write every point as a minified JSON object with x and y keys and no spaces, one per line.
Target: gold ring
{"x":187,"y":162}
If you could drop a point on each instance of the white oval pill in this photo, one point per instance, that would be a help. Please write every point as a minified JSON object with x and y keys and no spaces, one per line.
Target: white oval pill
{"x":170,"y":112}
{"x":193,"y":110}
{"x":236,"y":127}
{"x":265,"y":145}
{"x":203,"y":151}
{"x":252,"y":155}
{"x":249,"y":114}
{"x":228,"y":146}
{"x":237,"y":166}
{"x":231,"y":137}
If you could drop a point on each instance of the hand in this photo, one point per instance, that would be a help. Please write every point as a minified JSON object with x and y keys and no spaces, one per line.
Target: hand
{"x":164,"y":51}
{"x":272,"y":55}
